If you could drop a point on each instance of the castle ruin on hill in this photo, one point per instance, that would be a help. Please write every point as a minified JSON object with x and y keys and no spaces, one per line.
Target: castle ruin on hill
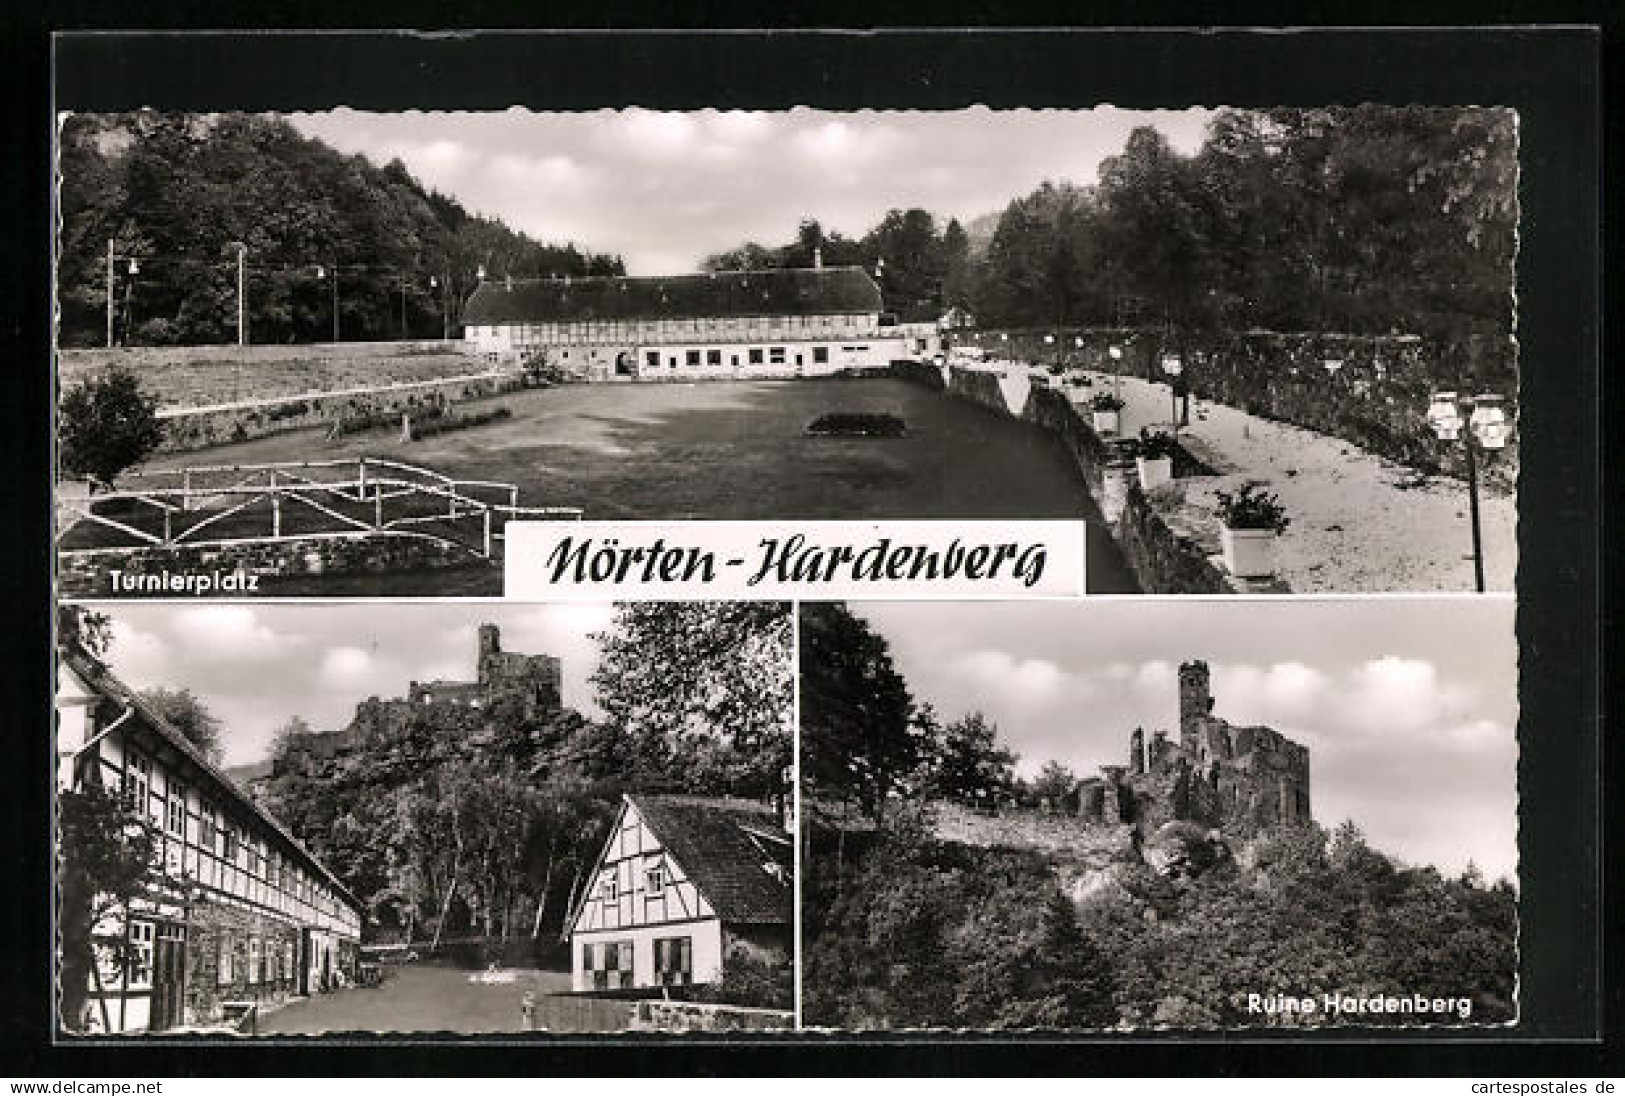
{"x":1234,"y":779}
{"x":532,"y":678}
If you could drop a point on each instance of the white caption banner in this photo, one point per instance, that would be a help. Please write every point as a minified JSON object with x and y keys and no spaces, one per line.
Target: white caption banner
{"x":793,"y":560}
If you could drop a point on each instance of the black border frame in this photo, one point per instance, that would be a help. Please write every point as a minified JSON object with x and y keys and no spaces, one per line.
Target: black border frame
{"x":1551,"y":76}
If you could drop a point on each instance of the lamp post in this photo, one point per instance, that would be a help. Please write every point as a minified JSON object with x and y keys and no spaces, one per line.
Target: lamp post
{"x":445,"y":332}
{"x":242,"y":293}
{"x":1486,"y":422}
{"x":132,"y":270}
{"x":1173,"y":367}
{"x":321,"y":275}
{"x":1115,"y":353}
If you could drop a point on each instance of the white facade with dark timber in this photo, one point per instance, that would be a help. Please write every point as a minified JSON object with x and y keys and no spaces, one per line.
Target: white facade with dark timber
{"x":762,"y":323}
{"x":240,"y":913}
{"x":680,"y":883}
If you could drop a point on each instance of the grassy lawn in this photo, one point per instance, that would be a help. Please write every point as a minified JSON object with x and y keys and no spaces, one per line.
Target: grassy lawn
{"x":727,"y":450}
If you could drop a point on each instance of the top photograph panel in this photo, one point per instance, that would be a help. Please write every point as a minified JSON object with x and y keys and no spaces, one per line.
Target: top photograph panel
{"x":335,"y":353}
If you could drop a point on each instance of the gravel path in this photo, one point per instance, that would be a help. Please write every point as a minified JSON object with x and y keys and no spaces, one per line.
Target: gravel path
{"x":1360,"y":523}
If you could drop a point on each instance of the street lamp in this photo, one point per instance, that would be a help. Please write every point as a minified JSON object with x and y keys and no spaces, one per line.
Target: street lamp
{"x":1486,"y":422}
{"x":1173,"y":366}
{"x":321,"y":275}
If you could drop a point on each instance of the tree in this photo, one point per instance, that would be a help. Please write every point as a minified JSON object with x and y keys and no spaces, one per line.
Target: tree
{"x":105,"y":425}
{"x":84,"y":629}
{"x":187,"y":713}
{"x":969,"y":763}
{"x":862,"y":740}
{"x":1055,"y":784}
{"x":704,"y":678}
{"x":107,"y":857}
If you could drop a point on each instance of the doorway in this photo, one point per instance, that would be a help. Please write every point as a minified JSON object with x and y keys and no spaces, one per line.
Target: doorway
{"x":169,"y":978}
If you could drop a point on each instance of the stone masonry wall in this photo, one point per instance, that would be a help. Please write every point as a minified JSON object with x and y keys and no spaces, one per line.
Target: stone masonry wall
{"x":86,"y":573}
{"x":1377,"y":399}
{"x":218,"y":928}
{"x":186,"y":430}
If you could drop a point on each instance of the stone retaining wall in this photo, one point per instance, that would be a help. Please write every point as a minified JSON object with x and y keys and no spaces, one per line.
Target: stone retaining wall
{"x":693,"y":1016}
{"x":1162,"y":558}
{"x":86,"y":573}
{"x":1377,"y":398}
{"x":190,"y":429}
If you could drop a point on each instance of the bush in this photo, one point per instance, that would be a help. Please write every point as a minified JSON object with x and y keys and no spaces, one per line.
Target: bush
{"x":445,"y":424}
{"x":858,"y":424}
{"x":105,"y":425}
{"x":1154,"y":444}
{"x":1106,"y":401}
{"x":1252,"y":508}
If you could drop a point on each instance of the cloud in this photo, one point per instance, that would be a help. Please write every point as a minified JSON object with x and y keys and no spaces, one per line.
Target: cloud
{"x":1409,"y":706}
{"x":665,"y":189}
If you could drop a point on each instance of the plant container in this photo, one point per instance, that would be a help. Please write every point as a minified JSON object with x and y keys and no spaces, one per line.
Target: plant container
{"x":1248,"y":553}
{"x":1154,"y":471}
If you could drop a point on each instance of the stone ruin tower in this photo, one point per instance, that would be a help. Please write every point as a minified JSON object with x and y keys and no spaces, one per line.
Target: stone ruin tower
{"x":1234,"y":779}
{"x":535,"y":679}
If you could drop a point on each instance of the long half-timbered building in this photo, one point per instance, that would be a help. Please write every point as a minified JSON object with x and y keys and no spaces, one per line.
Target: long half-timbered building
{"x":238,"y":913}
{"x":681,"y":883}
{"x":759,"y":323}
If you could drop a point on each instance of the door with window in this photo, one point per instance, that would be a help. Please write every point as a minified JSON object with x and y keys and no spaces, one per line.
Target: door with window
{"x":169,"y":977}
{"x":674,"y":961}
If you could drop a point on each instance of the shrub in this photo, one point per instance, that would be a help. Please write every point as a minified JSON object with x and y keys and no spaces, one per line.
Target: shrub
{"x":105,"y":425}
{"x":858,"y":424}
{"x":1105,"y":401}
{"x":1154,"y":444}
{"x":444,"y":424}
{"x":1252,"y":508}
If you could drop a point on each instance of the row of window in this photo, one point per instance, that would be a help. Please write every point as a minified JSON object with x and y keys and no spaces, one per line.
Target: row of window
{"x":634,"y":329}
{"x":610,"y":964}
{"x":268,"y":961}
{"x":655,"y":878}
{"x":271,"y":876}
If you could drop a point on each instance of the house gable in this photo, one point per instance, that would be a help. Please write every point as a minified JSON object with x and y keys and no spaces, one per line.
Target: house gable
{"x":637,"y":882}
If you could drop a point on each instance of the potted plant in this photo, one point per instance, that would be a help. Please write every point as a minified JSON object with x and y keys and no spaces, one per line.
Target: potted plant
{"x":1251,"y":519}
{"x":1154,"y":457}
{"x":1107,"y":413}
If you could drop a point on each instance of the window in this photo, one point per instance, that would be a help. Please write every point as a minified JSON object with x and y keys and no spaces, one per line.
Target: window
{"x":140,"y":969}
{"x":177,"y":811}
{"x":692,"y":357}
{"x":228,"y":834}
{"x":224,"y":974}
{"x":205,"y":826}
{"x":654,"y":877}
{"x":652,"y":357}
{"x":756,"y":355}
{"x":610,"y":887}
{"x":674,"y":961}
{"x":713,"y":357}
{"x":138,"y":782}
{"x":775,"y":355}
{"x":820,"y":354}
{"x":254,"y":970}
{"x":609,"y":965}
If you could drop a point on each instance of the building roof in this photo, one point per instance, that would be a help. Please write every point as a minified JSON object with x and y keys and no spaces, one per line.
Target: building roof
{"x":99,"y":678}
{"x":793,"y":292}
{"x":725,"y":845}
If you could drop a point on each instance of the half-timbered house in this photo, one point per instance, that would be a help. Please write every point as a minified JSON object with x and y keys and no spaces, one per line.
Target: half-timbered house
{"x":238,"y":913}
{"x":681,"y":883}
{"x":758,"y":323}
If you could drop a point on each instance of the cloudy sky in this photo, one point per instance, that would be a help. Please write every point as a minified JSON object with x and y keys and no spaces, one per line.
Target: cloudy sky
{"x":666,"y":189}
{"x":1408,"y":706}
{"x":255,"y":666}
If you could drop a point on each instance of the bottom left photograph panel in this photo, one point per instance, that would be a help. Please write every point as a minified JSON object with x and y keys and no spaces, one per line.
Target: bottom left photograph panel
{"x":439,"y":818}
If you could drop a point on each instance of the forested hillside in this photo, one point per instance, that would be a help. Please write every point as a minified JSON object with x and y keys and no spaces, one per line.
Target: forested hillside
{"x":1095,"y":927}
{"x":448,"y":821}
{"x":1367,"y":219}
{"x":177,"y":193}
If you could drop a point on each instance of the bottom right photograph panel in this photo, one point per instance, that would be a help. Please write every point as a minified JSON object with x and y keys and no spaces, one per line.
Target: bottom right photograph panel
{"x":1192,"y":814}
